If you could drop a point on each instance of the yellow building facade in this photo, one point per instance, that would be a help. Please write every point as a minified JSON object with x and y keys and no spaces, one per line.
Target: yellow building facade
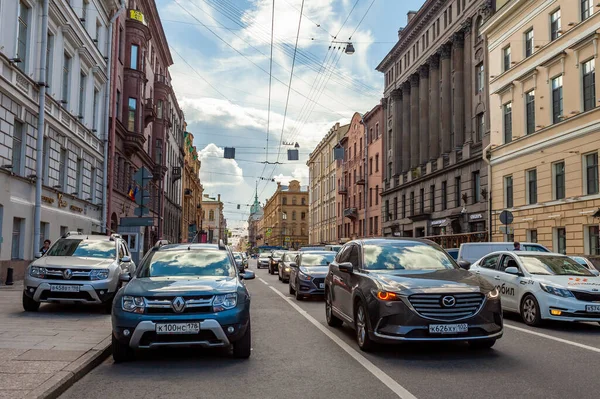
{"x":191,"y":220}
{"x":545,"y":122}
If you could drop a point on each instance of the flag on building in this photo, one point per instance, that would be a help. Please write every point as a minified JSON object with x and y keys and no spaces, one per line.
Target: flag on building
{"x":131,"y":193}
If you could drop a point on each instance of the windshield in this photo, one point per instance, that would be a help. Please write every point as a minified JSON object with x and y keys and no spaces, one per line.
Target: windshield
{"x":278,"y":254}
{"x":553,"y":265}
{"x":406,"y":256}
{"x":237,"y":256}
{"x":187,"y":264}
{"x":323,"y":259}
{"x":83,"y":248}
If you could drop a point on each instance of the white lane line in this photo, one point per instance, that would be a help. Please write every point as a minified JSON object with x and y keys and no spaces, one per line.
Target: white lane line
{"x":377,"y":372}
{"x":564,"y":341}
{"x":264,"y":282}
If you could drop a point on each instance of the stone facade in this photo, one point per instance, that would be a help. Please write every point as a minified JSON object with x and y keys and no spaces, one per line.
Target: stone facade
{"x":545,"y":152}
{"x":374,"y":121}
{"x":191,"y":225}
{"x":213,"y":221}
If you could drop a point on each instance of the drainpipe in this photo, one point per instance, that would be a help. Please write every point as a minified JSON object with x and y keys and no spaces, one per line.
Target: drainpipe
{"x":489,"y":179}
{"x":105,"y":178}
{"x":39,"y":167}
{"x":366,"y":176}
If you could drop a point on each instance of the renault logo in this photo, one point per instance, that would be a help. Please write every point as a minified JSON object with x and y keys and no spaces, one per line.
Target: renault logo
{"x":178,"y":304}
{"x":448,"y":301}
{"x":67,"y":274}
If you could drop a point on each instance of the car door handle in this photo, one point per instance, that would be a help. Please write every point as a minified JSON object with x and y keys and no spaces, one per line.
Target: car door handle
{"x":477,"y":272}
{"x":497,"y":278}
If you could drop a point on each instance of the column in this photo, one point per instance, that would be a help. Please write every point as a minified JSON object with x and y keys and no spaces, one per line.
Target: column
{"x":434,"y":107}
{"x":414,"y":121}
{"x":397,"y":131}
{"x":424,"y":118}
{"x":406,"y":100}
{"x":468,"y":72}
{"x":458,"y":42}
{"x":446,"y":100}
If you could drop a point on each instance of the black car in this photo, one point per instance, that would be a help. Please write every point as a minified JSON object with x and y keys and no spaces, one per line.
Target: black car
{"x":274,"y":260}
{"x":393,"y":290}
{"x":307,"y":273}
{"x":285,"y":265}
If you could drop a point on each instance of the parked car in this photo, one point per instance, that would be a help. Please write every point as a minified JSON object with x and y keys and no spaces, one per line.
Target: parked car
{"x":307,"y":273}
{"x":245,"y":259}
{"x":587,"y":262}
{"x":453,"y":252}
{"x":183,"y":295}
{"x":274,"y":260}
{"x":471,"y":252}
{"x":239,"y":260}
{"x":315,"y":248}
{"x":78,"y":268}
{"x":335,"y":248}
{"x":285,"y":266}
{"x":542,"y":286}
{"x":263,"y":260}
{"x":394,"y":290}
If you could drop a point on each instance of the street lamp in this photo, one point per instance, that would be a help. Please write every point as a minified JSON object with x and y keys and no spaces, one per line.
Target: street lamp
{"x":349,"y":49}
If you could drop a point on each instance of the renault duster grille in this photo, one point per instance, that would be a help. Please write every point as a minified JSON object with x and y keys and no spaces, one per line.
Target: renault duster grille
{"x":446,"y":307}
{"x":193,"y":304}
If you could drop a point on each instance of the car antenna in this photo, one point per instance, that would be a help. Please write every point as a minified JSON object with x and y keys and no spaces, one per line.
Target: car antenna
{"x":189,"y":247}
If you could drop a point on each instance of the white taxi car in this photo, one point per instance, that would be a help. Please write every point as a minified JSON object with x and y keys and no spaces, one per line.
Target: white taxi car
{"x":542,"y":286}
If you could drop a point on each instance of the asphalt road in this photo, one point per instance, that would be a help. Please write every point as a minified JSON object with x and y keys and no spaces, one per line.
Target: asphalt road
{"x":296,"y":355}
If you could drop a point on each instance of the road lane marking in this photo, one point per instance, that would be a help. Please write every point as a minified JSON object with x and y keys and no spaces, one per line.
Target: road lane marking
{"x":564,"y":341}
{"x":264,"y":282}
{"x":376,"y":371}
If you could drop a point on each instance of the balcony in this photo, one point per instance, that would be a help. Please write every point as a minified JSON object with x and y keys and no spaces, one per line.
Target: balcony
{"x":361,"y":182}
{"x":134,"y":143}
{"x":187,"y":192}
{"x":343,"y":190}
{"x":159,"y":172}
{"x":149,"y":112}
{"x":351,"y":213}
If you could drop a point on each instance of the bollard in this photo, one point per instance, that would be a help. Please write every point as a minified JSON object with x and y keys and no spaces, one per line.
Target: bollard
{"x":9,"y":276}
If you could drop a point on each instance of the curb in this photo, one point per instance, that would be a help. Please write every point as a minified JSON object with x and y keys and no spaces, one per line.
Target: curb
{"x":64,"y":379}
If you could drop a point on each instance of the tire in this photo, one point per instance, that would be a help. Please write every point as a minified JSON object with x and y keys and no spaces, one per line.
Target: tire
{"x":279,"y":275}
{"x":242,"y":348}
{"x":361,"y":327}
{"x":29,"y":305}
{"x":482,"y":344}
{"x":530,"y":311}
{"x":121,"y":352}
{"x":292,"y":290}
{"x":332,"y":320}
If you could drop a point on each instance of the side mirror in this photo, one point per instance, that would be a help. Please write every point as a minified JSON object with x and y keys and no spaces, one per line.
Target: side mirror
{"x":346,"y":267}
{"x":38,"y":255}
{"x":125,"y":277}
{"x":464,"y":264}
{"x":248,"y":275}
{"x":513,"y":270}
{"x":126,"y":259}
{"x":292,"y":264}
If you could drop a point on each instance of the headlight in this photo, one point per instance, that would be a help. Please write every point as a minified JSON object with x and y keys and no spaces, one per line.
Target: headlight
{"x":304,"y":276}
{"x":493,"y":293}
{"x":99,"y":274}
{"x":38,"y":272}
{"x":557,"y":291}
{"x":224,"y":302}
{"x":386,"y":295}
{"x":133,"y":304}
{"x":287,"y":269}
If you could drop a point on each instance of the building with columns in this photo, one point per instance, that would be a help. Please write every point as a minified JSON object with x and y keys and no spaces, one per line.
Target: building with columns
{"x":437,"y":125}
{"x":546,"y":123}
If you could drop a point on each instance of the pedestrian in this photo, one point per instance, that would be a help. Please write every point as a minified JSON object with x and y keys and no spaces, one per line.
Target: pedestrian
{"x":517,"y":246}
{"x":46,"y":247}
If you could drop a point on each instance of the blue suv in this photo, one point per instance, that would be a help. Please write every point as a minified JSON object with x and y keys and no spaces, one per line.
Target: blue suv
{"x":183,"y":295}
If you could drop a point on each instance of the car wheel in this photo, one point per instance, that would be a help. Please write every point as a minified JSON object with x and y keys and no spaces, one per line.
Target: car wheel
{"x":332,"y":320}
{"x":243,"y":346}
{"x":481,"y":344}
{"x":361,"y":327}
{"x":29,"y":304}
{"x":530,"y":311}
{"x":299,"y":296}
{"x":292,"y":290}
{"x":279,"y":275}
{"x":121,"y":352}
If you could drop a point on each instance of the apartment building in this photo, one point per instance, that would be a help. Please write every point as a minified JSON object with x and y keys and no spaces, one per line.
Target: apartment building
{"x":213,"y":221}
{"x":546,"y":122}
{"x":191,"y":225}
{"x":374,"y":122}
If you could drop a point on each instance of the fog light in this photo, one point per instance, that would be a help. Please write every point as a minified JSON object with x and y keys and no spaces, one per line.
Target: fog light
{"x":555,"y":312}
{"x":102,"y":292}
{"x":31,"y":289}
{"x":126,"y":332}
{"x":230,"y":329}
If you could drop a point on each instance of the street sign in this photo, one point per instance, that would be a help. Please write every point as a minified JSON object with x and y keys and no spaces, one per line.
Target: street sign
{"x":142,"y":176}
{"x":268,"y":233}
{"x":132,"y":222}
{"x":506,"y":217}
{"x":287,"y":239}
{"x":142,"y":200}
{"x":141,"y":211}
{"x":507,"y":230}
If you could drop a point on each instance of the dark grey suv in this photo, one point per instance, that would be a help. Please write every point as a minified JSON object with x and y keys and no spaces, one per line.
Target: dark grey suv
{"x":307,"y":274}
{"x":393,"y":290}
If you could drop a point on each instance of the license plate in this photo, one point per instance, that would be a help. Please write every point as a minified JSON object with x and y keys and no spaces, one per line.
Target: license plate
{"x":448,"y":328}
{"x":592,"y":308}
{"x":322,"y":285}
{"x":64,"y":288}
{"x":178,"y":328}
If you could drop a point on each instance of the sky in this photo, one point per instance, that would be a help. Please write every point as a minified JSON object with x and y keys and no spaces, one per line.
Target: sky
{"x":224,"y":81}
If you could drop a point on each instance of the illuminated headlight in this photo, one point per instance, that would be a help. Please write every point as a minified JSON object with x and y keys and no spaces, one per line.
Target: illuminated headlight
{"x":99,"y":274}
{"x":224,"y":302}
{"x":287,"y":269}
{"x":557,"y":291}
{"x":133,"y":304}
{"x":303,"y":276}
{"x":493,"y":294}
{"x":38,"y":272}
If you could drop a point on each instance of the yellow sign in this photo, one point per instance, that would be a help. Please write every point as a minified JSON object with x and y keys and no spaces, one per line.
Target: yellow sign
{"x":76,"y":208}
{"x":287,"y":239}
{"x":137,"y":15}
{"x":61,"y":203}
{"x":47,"y":200}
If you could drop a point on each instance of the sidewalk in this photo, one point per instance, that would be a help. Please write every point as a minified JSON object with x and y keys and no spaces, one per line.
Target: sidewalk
{"x":42,"y":353}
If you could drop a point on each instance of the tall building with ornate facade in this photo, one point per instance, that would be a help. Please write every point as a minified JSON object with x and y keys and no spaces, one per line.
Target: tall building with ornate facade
{"x":193,"y":191}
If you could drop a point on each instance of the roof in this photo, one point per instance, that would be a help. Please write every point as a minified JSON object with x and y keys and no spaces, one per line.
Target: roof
{"x":529,"y":253}
{"x":170,"y":247}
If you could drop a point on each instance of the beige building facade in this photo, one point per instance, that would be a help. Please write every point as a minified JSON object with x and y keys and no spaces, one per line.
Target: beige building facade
{"x":545,"y":122}
{"x":321,"y":169}
{"x":192,"y":191}
{"x":213,"y":222}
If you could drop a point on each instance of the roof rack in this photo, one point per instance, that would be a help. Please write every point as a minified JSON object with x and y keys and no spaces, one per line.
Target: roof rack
{"x":72,"y":233}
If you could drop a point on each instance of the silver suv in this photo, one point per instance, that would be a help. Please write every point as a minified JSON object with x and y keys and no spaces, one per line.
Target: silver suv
{"x":78,"y":268}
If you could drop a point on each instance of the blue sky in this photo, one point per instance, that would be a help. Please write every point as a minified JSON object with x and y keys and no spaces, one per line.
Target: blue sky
{"x":221,"y":79}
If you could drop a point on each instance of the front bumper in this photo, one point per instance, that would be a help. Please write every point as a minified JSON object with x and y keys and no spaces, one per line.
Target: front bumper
{"x":315,"y":286}
{"x":571,"y":309}
{"x":98,"y":291}
{"x":262,"y":264}
{"x":285,"y":273}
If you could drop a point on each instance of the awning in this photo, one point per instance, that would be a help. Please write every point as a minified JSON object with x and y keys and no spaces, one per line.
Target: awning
{"x":440,"y":223}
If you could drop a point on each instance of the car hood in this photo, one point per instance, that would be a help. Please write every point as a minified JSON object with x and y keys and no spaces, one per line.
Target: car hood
{"x":315,"y":271}
{"x":168,"y":286}
{"x":439,"y":281}
{"x":579,"y":283}
{"x":72,"y":261}
{"x":264,"y":259}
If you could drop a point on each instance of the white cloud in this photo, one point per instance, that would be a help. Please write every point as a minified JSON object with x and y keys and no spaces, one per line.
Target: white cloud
{"x":227,"y":171}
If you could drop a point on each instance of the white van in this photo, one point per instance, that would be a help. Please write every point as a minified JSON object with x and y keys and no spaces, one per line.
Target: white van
{"x":471,"y":252}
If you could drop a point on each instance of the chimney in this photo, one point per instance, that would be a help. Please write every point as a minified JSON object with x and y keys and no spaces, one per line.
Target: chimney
{"x":219,"y":197}
{"x":410,"y":15}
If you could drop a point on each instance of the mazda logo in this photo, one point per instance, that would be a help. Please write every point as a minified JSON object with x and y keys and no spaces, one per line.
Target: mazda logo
{"x":178,"y":304}
{"x":448,"y":301}
{"x":67,"y":274}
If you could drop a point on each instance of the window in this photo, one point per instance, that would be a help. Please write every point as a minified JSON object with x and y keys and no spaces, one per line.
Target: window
{"x":593,"y":240}
{"x":412,"y":203}
{"x":557,"y":99}
{"x":450,"y":14}
{"x":62,"y":169}
{"x":159,"y":109}
{"x":49,"y":59}
{"x":587,"y":9}
{"x":293,"y":215}
{"x":371,"y":165}
{"x":530,"y":111}
{"x":555,"y":31}
{"x":445,"y":19}
{"x":390,"y":171}
{"x":507,"y":119}
{"x":132,"y":114}
{"x":376,"y":162}
{"x":480,"y":80}
{"x":532,"y":235}
{"x":376,"y":225}
{"x":422,"y":201}
{"x":93,"y":185}
{"x":560,"y":240}
{"x":480,"y":127}
{"x":591,"y":173}
{"x":18,"y":147}
{"x":506,"y":59}
{"x":476,"y":181}
{"x":95,"y":110}
{"x":303,"y":216}
{"x":532,"y":186}
{"x":17,"y":239}
{"x":432,"y":198}
{"x":284,"y":200}
{"x":118,"y":101}
{"x":403,"y":206}
{"x":377,"y":130}
{"x":589,"y":85}
{"x":65,"y":78}
{"x":78,"y":178}
{"x":444,"y":195}
{"x":558,"y":170}
{"x":529,"y":46}
{"x":388,"y":215}
{"x":508,"y":191}
{"x":82,"y":82}
{"x":133,"y":64}
{"x":395,"y":208}
{"x":457,"y":191}
{"x":211,"y":215}
{"x":303,"y":201}
{"x":478,"y":26}
{"x":490,"y":262}
{"x":284,"y":215}
{"x":22,"y":36}
{"x":370,"y":197}
{"x":354,"y":173}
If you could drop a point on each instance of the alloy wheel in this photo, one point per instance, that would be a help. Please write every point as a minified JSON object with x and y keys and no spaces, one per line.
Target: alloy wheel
{"x":529,"y":311}
{"x":360,"y":325}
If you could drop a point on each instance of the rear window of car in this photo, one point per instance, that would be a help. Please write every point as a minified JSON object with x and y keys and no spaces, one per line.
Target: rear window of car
{"x":406,"y":256}
{"x":187,"y":263}
{"x":83,"y":248}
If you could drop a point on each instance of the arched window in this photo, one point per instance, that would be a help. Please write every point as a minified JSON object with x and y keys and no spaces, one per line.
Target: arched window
{"x":293,"y":200}
{"x":211,"y":215}
{"x":303,"y":201}
{"x":294,"y":215}
{"x":284,"y":201}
